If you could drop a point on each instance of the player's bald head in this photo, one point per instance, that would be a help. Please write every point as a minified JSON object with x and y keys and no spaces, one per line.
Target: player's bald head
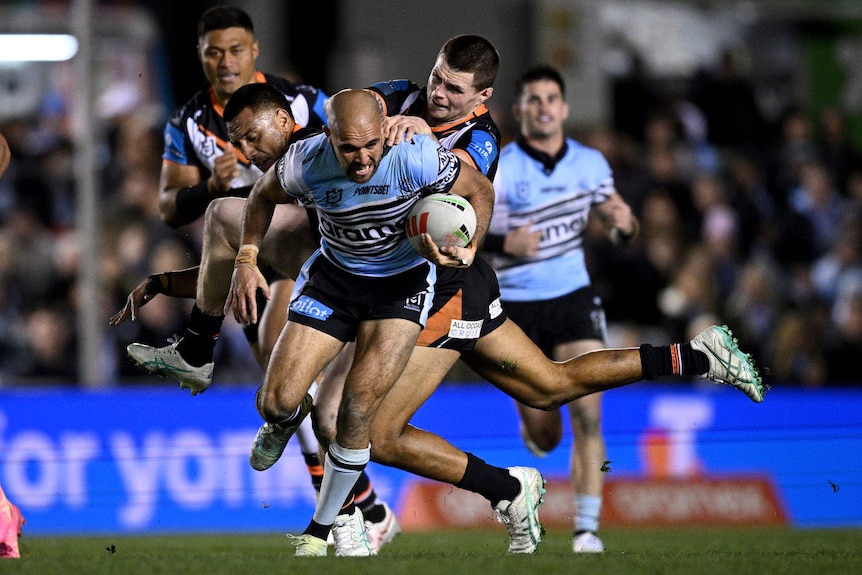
{"x":352,"y":109}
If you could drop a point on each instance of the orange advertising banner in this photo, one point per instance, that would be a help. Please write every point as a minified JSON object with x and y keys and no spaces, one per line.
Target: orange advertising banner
{"x":745,"y":500}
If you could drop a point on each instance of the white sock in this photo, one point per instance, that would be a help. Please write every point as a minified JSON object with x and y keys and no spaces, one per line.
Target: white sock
{"x":341,"y":468}
{"x":587,"y":510}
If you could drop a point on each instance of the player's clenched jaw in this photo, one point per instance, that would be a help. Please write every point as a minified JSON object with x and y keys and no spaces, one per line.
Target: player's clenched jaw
{"x":228,"y":58}
{"x":359,"y":157}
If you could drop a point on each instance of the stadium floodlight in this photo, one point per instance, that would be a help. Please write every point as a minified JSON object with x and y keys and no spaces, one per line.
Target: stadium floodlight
{"x":37,"y":47}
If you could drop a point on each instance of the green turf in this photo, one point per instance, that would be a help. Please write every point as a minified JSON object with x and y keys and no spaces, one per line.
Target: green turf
{"x":693,"y":551}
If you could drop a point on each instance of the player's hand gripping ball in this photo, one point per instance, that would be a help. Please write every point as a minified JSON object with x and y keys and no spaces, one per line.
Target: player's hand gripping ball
{"x":449,"y":219}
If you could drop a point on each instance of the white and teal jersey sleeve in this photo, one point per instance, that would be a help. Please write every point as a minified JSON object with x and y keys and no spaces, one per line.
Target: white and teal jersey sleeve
{"x":556,"y":202}
{"x":362,"y":225}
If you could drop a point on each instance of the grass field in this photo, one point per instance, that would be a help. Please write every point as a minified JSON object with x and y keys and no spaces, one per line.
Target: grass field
{"x":695,"y":551}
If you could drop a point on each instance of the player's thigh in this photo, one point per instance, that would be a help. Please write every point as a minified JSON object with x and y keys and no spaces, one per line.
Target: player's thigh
{"x":510,"y":360}
{"x":299,"y":355}
{"x":382,"y":350}
{"x":424,"y":371}
{"x":274,"y":316}
{"x":224,"y":217}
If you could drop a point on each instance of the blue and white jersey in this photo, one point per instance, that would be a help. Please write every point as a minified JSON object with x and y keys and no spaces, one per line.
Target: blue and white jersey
{"x":362,"y":225}
{"x":556,"y":201}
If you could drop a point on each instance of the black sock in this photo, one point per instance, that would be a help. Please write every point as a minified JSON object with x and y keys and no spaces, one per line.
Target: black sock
{"x":676,"y":359}
{"x":205,"y":324}
{"x":493,"y":483}
{"x":199,"y":339}
{"x":315,"y":529}
{"x":315,"y":469}
{"x":366,"y":499}
{"x":197,"y":349}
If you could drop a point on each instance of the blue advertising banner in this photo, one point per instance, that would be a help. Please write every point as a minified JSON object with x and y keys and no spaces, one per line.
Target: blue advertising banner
{"x":156,"y":460}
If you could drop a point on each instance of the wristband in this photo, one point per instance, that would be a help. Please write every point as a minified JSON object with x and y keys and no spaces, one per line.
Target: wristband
{"x":192,"y":201}
{"x":154,"y":284}
{"x":246,"y":256}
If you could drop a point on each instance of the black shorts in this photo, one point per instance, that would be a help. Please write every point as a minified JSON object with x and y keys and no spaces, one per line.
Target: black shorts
{"x":271,"y":275}
{"x":575,"y":316}
{"x":466,"y":306}
{"x":334,"y":301}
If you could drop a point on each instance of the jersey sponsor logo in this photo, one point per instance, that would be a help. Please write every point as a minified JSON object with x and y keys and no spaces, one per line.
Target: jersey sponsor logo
{"x":555,"y":231}
{"x":495,"y":308}
{"x":553,"y":189}
{"x":333,"y":231}
{"x":465,"y":329}
{"x":371,"y":191}
{"x":310,"y":307}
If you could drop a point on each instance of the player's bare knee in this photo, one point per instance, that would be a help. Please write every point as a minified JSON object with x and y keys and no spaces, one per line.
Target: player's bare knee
{"x":588,"y":424}
{"x":214,"y":215}
{"x":273,"y":407}
{"x":545,"y":438}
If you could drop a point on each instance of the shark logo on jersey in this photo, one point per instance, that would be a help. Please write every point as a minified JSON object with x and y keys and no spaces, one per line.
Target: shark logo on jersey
{"x":310,"y":307}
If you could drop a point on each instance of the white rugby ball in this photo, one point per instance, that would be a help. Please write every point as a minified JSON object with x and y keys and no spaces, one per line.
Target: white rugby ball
{"x":449,"y":219}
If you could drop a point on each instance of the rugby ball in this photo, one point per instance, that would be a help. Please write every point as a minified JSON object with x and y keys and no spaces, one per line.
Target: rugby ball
{"x":449,"y":219}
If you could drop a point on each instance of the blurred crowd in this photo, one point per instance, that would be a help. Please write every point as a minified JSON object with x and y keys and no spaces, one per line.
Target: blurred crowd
{"x":749,"y":222}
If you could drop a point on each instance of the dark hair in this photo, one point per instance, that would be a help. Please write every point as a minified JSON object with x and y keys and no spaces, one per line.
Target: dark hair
{"x":472,"y":54}
{"x":255,"y":96}
{"x":222,"y":17}
{"x":540,"y":72}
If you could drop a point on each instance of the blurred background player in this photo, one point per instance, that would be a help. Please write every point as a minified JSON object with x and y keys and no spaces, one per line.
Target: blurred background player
{"x":546,"y":187}
{"x":10,"y":517}
{"x":5,"y":155}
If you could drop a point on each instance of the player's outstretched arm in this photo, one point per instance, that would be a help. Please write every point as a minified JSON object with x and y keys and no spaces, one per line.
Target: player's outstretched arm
{"x":179,"y":283}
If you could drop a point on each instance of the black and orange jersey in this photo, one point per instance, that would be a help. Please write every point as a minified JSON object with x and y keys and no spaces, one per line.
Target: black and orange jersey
{"x":197,"y":134}
{"x":476,"y":133}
